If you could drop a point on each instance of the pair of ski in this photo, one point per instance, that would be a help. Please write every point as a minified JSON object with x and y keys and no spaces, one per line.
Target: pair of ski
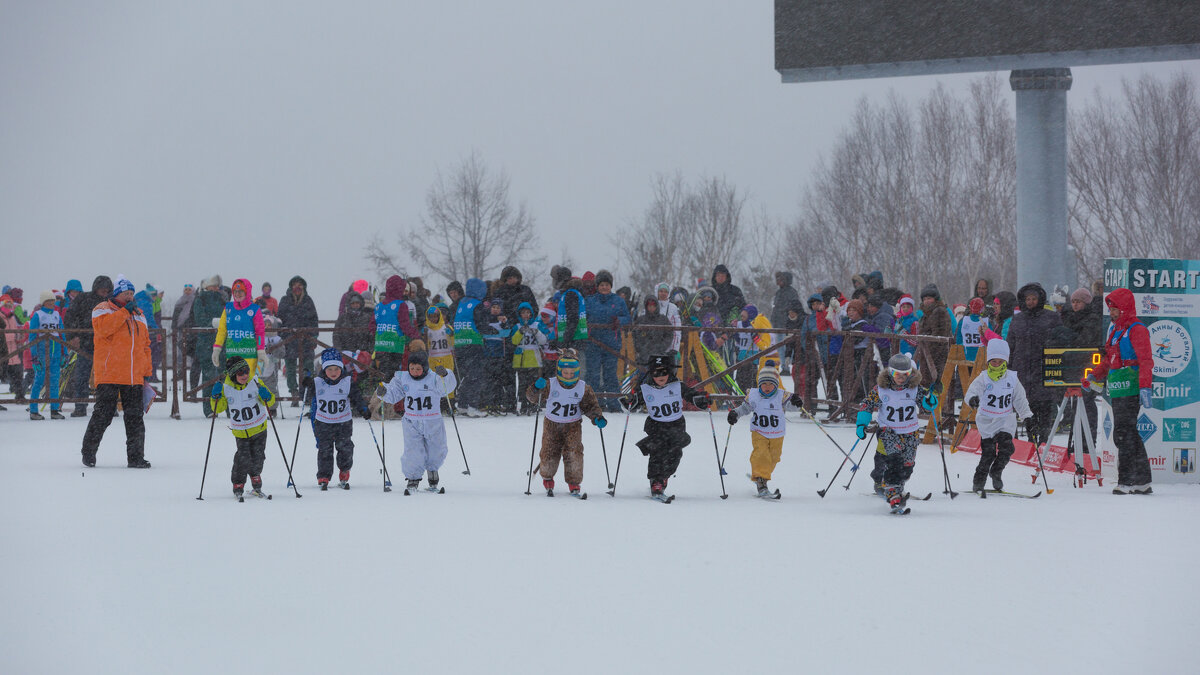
{"x":253,"y":493}
{"x":432,"y":490}
{"x":983,"y":494}
{"x":580,"y":496}
{"x":345,"y":485}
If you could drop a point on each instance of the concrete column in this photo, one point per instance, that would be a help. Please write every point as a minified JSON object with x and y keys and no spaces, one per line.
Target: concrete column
{"x":1042,"y":253}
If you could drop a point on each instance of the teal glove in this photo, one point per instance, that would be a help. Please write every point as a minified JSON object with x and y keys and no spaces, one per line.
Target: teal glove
{"x":1144,"y":397}
{"x":539,"y":383}
{"x":862,"y":420}
{"x":218,"y":390}
{"x":600,"y":422}
{"x":264,"y":393}
{"x":929,"y":403}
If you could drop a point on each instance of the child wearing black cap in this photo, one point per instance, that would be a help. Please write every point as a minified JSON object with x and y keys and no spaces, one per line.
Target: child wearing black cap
{"x":247,"y":407}
{"x":666,"y":430}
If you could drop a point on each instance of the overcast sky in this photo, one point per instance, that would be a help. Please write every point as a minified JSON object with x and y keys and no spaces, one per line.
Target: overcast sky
{"x":172,"y":140}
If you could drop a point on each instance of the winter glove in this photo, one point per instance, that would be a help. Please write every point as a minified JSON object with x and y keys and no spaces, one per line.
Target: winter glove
{"x":1095,"y":387}
{"x":930,"y":401}
{"x":974,"y":402}
{"x":539,"y":383}
{"x":701,"y":401}
{"x":218,"y":390}
{"x":628,"y":401}
{"x":440,"y":370}
{"x":307,"y":382}
{"x":861,"y":422}
{"x":216,"y":357}
{"x":1145,"y":398}
{"x":600,"y":422}
{"x":1030,"y":430}
{"x":262,"y":359}
{"x":518,"y":351}
{"x":132,"y":308}
{"x":732,"y":417}
{"x":380,"y":390}
{"x":264,"y":393}
{"x":364,"y":413}
{"x":797,"y":400}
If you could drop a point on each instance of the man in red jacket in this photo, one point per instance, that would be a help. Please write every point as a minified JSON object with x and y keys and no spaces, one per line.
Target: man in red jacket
{"x":1128,"y":368}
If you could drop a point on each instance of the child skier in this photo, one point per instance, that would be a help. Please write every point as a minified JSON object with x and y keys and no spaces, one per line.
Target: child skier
{"x":529,"y":338}
{"x":567,"y":399}
{"x":996,"y":396}
{"x":439,"y":336}
{"x":334,"y":400}
{"x":768,"y":402}
{"x":247,"y":400}
{"x":424,"y":431}
{"x":666,"y":430}
{"x":969,"y":333}
{"x":895,"y":397}
{"x":47,"y":356}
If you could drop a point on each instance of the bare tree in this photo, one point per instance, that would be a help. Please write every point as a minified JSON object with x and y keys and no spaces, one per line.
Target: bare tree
{"x":1134,"y":174}
{"x":469,"y":229}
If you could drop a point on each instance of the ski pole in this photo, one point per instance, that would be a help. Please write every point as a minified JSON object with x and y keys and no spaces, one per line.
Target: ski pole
{"x":839,"y":469}
{"x":299,"y":423}
{"x":460,"y":443}
{"x":604,"y":452}
{"x":533,"y":446}
{"x":206,"y":451}
{"x":387,"y":480}
{"x":283,"y":454}
{"x":826,"y":432}
{"x":720,"y":469}
{"x":863,"y":456}
{"x":725,"y":452}
{"x":1042,"y":469}
{"x":945,"y":469}
{"x":620,"y":454}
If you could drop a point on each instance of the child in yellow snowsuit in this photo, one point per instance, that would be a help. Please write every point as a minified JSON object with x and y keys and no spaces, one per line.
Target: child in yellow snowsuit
{"x":768,"y":403}
{"x":439,"y":339}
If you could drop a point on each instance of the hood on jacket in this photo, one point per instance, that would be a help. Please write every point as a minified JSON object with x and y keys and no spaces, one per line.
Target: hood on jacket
{"x":352,"y":296}
{"x":650,"y":300}
{"x":829,"y":293}
{"x":1122,"y":299}
{"x":532,"y":313}
{"x":292,"y":282}
{"x":1033,"y":287}
{"x":74,"y":285}
{"x":1007,"y":302}
{"x":815,"y":297}
{"x":786,"y":277}
{"x":434,"y":319}
{"x":875,"y":280}
{"x":476,"y":288}
{"x":247,"y":299}
{"x":455,"y":286}
{"x":510,"y":271}
{"x":102,"y":282}
{"x":721,"y":268}
{"x":751,"y":312}
{"x":393,"y":288}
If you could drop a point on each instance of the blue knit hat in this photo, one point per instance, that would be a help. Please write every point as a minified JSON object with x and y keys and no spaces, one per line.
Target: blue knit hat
{"x":122,"y":285}
{"x":331,"y":357}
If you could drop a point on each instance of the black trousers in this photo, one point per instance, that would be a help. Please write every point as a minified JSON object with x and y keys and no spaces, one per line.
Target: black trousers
{"x":107,"y":396}
{"x":994,"y":454}
{"x":81,"y":374}
{"x":331,"y":438}
{"x":663,"y":444}
{"x":249,"y":458}
{"x":1133,"y":466}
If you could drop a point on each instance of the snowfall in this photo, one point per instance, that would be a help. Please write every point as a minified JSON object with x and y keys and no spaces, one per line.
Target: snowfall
{"x":115,"y":570}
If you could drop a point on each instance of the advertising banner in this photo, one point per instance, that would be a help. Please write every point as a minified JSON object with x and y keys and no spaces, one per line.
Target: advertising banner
{"x":1167,"y":292}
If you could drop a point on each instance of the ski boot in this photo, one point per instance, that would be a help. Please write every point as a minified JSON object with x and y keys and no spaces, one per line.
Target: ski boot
{"x":657,"y":487}
{"x":256,"y":486}
{"x":879,"y":489}
{"x":36,"y":416}
{"x":978,"y":486}
{"x":237,"y":491}
{"x":412,"y":485}
{"x":576,"y":492}
{"x":344,"y":480}
{"x":897,"y":500}
{"x":138,"y":464}
{"x":998,"y":484}
{"x":55,"y":415}
{"x":548,"y":483}
{"x":431,"y":477}
{"x":323,"y":483}
{"x":763,"y":490}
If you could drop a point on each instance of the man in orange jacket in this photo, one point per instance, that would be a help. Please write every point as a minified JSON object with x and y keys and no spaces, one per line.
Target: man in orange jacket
{"x":121,"y":363}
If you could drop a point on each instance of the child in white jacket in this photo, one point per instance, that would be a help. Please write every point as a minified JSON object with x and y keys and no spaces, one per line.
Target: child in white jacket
{"x":995,"y":395}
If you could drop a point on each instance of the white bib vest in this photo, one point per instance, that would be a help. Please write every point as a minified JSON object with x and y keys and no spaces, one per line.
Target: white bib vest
{"x":997,"y":399}
{"x":768,"y":418}
{"x":333,"y":400}
{"x":246,"y":411}
{"x":898,"y":410}
{"x":422,"y":398}
{"x":664,"y":405}
{"x":439,"y":342}
{"x":562,"y":404}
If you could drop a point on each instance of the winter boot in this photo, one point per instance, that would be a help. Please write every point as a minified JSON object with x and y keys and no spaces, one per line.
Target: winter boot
{"x":55,"y":415}
{"x":79,"y":412}
{"x":1141,"y":489}
{"x":344,"y":480}
{"x":998,"y":483}
{"x":763,"y":490}
{"x":431,"y":476}
{"x":413,"y":484}
{"x":36,"y":416}
{"x":324,"y":483}
{"x":879,"y":489}
{"x":548,"y":483}
{"x":978,"y":485}
{"x":90,"y":461}
{"x":657,"y":487}
{"x":238,"y":489}
{"x":138,"y":464}
{"x":574,"y":490}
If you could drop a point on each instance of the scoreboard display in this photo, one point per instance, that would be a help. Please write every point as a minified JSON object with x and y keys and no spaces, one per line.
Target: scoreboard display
{"x":1067,"y":367}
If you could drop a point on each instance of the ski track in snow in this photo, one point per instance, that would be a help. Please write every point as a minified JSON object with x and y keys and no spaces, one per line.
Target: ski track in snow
{"x":116,"y":570}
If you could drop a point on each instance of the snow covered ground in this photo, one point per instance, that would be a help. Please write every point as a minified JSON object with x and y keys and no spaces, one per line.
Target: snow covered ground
{"x":113,"y":570}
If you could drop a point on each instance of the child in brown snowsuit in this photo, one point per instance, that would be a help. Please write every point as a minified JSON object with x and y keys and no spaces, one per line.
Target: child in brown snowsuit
{"x":567,"y":400}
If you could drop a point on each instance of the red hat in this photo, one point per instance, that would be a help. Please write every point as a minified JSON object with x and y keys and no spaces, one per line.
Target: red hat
{"x":976,"y":305}
{"x":906,"y":299}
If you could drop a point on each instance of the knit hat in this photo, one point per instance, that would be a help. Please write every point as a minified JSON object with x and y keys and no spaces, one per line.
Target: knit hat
{"x":769,"y":373}
{"x":560,"y":275}
{"x":419,"y":357}
{"x":44,"y":296}
{"x":331,"y":357}
{"x":662,"y":286}
{"x":151,"y":289}
{"x":900,"y":363}
{"x":1083,"y":295}
{"x":931,"y":291}
{"x":214,"y":280}
{"x":122,"y":285}
{"x":604,"y":276}
{"x":858,"y":306}
{"x":568,"y":359}
{"x":906,"y":299}
{"x":359,"y":286}
{"x":751,"y":312}
{"x":235,"y":365}
{"x":997,"y":349}
{"x":976,"y":305}
{"x":17,"y":294}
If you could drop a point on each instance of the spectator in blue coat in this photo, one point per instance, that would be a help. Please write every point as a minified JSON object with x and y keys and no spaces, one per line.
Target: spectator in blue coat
{"x":606,"y":313}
